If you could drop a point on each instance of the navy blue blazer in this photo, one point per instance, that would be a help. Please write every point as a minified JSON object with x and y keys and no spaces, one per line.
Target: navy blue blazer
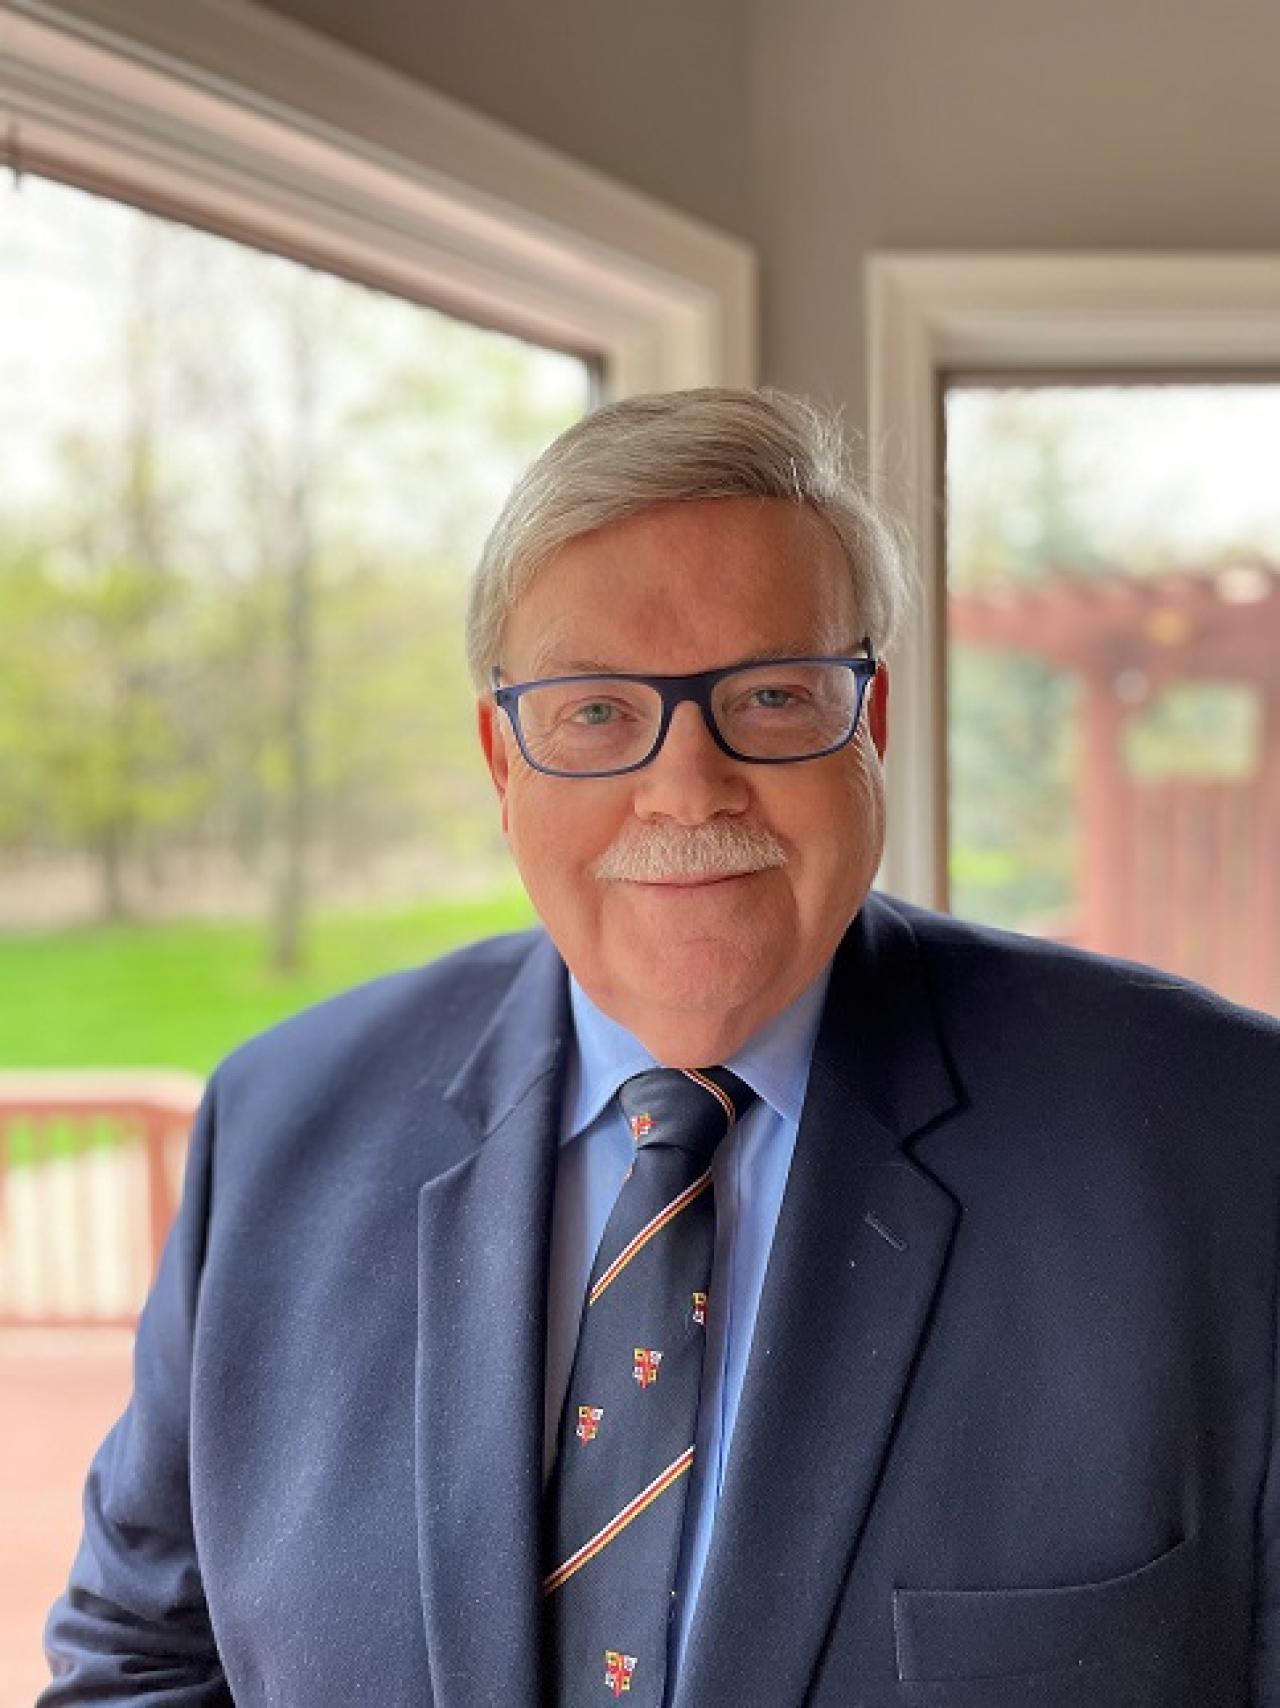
{"x":1007,"y":1433}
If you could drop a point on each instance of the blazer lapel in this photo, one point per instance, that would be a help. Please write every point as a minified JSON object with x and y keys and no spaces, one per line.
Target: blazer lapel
{"x":483,"y":1238}
{"x":857,"y":1258}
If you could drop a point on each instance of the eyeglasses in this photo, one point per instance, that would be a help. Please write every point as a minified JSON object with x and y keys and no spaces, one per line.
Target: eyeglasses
{"x":774,"y":713}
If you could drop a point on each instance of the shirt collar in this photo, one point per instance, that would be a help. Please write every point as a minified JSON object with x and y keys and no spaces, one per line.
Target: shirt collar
{"x":774,"y":1062}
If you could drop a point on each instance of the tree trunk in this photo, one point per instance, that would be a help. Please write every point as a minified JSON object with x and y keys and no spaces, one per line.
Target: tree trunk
{"x":289,"y":922}
{"x":111,"y":863}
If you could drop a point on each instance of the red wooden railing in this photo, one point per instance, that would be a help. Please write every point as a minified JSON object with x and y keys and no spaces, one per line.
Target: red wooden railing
{"x":1194,"y":886}
{"x":90,"y":1172}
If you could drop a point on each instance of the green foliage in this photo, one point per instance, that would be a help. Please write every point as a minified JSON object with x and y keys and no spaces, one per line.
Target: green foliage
{"x":1197,"y":729}
{"x":1012,"y":768}
{"x":87,"y":748}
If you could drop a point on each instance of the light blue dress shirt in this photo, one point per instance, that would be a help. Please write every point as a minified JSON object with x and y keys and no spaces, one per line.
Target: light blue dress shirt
{"x":749,"y":1173}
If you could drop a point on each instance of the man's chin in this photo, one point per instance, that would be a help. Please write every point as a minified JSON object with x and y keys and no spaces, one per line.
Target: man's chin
{"x":700,"y":1015}
{"x":699,"y":972}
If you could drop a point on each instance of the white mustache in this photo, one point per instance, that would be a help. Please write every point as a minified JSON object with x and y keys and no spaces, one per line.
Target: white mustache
{"x":670,"y":853}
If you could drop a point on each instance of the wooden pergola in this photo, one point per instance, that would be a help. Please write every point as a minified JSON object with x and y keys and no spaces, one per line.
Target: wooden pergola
{"x":1183,"y":872}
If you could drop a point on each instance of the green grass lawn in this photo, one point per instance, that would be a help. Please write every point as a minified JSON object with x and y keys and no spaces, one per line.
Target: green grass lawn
{"x":180,"y":995}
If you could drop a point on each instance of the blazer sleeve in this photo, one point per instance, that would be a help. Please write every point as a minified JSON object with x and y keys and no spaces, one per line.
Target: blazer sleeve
{"x":132,"y":1625}
{"x":1266,"y":1609}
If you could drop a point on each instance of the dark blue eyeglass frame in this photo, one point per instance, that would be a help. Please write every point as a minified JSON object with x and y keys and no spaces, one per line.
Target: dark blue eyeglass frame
{"x":674,"y":691}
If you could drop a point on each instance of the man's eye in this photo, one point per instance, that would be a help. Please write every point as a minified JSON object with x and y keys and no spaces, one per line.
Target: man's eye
{"x":594,"y":713}
{"x":772,"y":699}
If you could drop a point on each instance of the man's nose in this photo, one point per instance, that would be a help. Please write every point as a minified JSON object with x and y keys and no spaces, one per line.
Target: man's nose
{"x":691,"y":779}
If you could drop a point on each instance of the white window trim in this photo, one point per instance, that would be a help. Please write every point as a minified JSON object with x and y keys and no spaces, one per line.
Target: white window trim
{"x":236,"y":118}
{"x":933,"y":313}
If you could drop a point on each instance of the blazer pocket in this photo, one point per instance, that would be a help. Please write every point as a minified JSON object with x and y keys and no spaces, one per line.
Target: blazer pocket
{"x":954,"y":1634}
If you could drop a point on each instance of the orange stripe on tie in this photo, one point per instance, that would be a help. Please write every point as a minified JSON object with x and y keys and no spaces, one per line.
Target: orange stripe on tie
{"x":647,"y":1232}
{"x":721,"y":1096}
{"x":602,"y":1538}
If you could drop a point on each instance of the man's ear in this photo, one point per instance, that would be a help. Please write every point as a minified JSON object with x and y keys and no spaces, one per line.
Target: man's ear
{"x":493,"y":741}
{"x":878,"y":709}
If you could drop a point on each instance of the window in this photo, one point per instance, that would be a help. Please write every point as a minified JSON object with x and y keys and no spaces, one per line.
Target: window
{"x":1011,"y":319}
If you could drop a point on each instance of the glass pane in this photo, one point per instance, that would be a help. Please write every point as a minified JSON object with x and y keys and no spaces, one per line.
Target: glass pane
{"x":1113,"y":576}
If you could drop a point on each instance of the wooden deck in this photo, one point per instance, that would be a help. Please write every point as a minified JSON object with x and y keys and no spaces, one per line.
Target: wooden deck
{"x":60,"y":1391}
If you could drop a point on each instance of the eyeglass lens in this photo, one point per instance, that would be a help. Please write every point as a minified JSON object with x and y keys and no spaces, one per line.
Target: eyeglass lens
{"x":764,"y":711}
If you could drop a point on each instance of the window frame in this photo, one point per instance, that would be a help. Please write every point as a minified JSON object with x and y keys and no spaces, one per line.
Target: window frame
{"x":253,"y":126}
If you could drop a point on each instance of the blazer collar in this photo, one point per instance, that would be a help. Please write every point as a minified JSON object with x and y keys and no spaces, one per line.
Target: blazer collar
{"x":880,"y":1039}
{"x":526,"y":1037}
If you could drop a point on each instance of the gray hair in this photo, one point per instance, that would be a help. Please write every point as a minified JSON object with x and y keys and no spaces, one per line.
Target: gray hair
{"x":713,"y":442}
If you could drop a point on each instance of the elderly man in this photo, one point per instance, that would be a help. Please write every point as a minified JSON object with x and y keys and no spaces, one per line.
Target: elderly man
{"x":744,"y":1290}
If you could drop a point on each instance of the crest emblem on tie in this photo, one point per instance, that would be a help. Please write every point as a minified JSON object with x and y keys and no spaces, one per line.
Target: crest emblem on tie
{"x":589,"y":1422}
{"x":641,"y":1127}
{"x":700,"y":1309}
{"x":618,"y":1669}
{"x":648,"y":1359}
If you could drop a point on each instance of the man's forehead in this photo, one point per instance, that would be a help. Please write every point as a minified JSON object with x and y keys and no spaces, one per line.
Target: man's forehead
{"x":682,"y":589}
{"x":560,"y":656}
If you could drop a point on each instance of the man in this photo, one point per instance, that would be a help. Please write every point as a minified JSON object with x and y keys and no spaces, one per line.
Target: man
{"x":971,"y":1399}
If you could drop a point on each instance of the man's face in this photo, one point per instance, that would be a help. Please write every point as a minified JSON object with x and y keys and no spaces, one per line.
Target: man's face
{"x":693,"y":968}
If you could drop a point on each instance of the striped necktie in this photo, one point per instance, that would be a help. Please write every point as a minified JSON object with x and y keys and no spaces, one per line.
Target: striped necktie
{"x":615,"y":1502}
